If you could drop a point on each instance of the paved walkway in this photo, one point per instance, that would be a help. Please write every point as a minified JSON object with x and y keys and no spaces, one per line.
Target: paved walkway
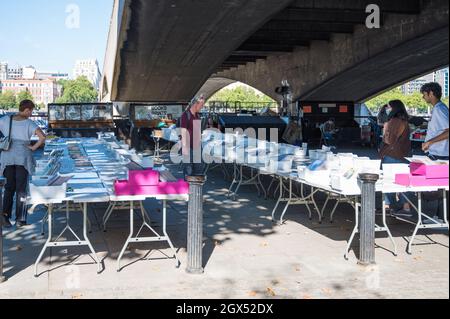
{"x":246,"y":256}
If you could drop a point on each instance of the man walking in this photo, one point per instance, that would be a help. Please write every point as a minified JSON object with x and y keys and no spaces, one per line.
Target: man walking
{"x":191,"y":138}
{"x":436,"y":142}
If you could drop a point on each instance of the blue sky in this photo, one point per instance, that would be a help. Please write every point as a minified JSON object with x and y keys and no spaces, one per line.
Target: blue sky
{"x":41,"y":33}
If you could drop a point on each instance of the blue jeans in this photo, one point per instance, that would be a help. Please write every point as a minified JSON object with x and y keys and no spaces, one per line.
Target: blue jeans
{"x":391,"y":199}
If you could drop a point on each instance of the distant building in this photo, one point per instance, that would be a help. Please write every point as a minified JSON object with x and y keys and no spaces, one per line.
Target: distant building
{"x":8,"y":72}
{"x":90,"y":69}
{"x":3,"y":71}
{"x":29,"y":73}
{"x":52,"y":76}
{"x":15,"y":72}
{"x":43,"y":91}
{"x":415,"y":86}
{"x":440,"y":77}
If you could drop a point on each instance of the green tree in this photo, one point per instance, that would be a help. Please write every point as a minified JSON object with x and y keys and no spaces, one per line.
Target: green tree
{"x":445,"y":100}
{"x":24,"y":95}
{"x":242,"y":94}
{"x":78,"y":91}
{"x":414,"y":102}
{"x":7,"y":100}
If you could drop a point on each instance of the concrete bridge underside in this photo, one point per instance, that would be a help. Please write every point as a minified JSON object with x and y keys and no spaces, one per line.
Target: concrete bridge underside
{"x":170,"y":50}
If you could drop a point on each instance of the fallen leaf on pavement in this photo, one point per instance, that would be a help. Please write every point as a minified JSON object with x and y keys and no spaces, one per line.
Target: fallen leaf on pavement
{"x":327,"y":291}
{"x":270,"y":292}
{"x":252,"y":293}
{"x":306,"y":296}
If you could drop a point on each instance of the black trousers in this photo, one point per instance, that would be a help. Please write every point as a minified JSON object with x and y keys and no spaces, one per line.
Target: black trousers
{"x":16,"y":185}
{"x":193,"y":169}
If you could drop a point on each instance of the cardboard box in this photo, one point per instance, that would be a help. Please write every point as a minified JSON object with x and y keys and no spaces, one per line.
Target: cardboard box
{"x":146,"y":177}
{"x":429,"y":171}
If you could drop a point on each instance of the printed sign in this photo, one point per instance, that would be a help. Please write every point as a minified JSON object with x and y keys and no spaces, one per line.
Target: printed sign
{"x":150,"y":112}
{"x":327,"y":105}
{"x":307,"y":109}
{"x":343,"y":108}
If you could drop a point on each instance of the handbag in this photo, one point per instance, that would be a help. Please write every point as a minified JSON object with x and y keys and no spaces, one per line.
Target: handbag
{"x":5,"y":142}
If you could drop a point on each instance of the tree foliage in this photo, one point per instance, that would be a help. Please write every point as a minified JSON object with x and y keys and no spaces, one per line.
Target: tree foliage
{"x":7,"y":100}
{"x":78,"y":91}
{"x":24,"y":95}
{"x":414,"y":102}
{"x":242,"y":94}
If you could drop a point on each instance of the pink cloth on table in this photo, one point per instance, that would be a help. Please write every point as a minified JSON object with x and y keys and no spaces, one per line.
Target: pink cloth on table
{"x":146,"y":177}
{"x":418,"y":180}
{"x":124,"y":188}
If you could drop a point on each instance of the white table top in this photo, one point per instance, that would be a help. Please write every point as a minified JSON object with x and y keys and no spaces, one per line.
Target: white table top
{"x":95,"y":186}
{"x":384,"y":186}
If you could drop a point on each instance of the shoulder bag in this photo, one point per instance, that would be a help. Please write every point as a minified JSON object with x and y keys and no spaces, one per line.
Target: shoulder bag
{"x":5,"y":142}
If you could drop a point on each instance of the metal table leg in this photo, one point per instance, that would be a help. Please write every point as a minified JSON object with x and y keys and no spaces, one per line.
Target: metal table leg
{"x":47,"y":243}
{"x":136,"y":239}
{"x":387,"y":228}
{"x":54,"y":243}
{"x":85,"y":206}
{"x":355,"y":230}
{"x":420,"y":225}
{"x":130,"y":236}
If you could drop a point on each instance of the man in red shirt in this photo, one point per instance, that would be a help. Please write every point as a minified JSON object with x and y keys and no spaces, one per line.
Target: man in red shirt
{"x":191,"y":135}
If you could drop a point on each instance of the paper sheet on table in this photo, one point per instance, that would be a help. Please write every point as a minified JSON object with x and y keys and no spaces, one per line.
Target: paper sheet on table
{"x":85,"y":175}
{"x":89,"y":190}
{"x":58,"y":180}
{"x":85,"y":181}
{"x":424,"y":160}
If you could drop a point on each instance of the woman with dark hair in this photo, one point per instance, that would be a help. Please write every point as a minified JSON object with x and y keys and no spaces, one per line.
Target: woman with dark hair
{"x":382,"y":116}
{"x":17,"y":163}
{"x":396,"y":145}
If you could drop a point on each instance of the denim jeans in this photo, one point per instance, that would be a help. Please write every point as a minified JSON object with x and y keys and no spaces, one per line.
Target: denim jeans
{"x":391,"y":199}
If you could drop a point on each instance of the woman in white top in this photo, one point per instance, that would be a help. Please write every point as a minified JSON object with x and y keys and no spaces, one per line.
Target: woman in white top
{"x":17,"y":163}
